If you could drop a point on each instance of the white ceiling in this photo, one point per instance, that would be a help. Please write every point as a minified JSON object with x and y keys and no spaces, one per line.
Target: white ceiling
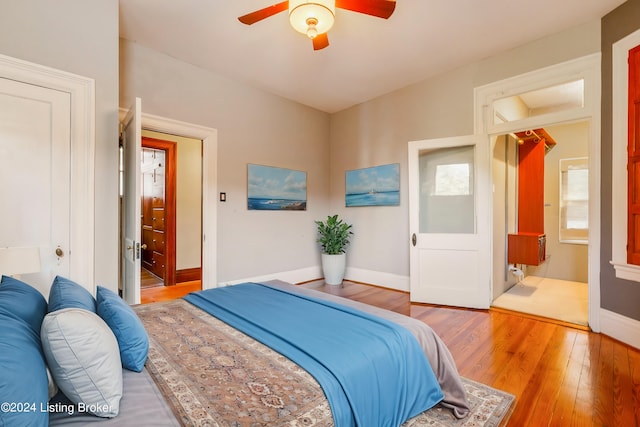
{"x":367,"y":56}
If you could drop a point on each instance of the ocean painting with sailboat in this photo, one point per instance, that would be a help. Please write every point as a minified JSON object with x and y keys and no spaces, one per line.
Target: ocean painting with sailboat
{"x":374,"y":186}
{"x":276,"y":189}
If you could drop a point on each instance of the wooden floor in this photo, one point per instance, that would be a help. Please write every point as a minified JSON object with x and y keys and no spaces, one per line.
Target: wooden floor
{"x":561,"y":376}
{"x":149,"y":280}
{"x":167,"y":293}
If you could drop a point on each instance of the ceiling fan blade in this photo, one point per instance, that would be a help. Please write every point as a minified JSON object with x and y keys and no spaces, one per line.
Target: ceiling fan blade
{"x":320,"y":41}
{"x":379,"y":8}
{"x":259,"y":15}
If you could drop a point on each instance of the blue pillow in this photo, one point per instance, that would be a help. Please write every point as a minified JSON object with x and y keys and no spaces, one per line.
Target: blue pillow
{"x":19,"y":300}
{"x":66,"y":293}
{"x":132,"y":338}
{"x":23,"y":381}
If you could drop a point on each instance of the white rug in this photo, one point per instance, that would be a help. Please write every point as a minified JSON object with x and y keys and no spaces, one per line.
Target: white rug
{"x":552,"y":298}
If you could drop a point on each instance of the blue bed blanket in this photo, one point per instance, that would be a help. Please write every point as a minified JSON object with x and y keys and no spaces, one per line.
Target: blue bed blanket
{"x":373,"y":371}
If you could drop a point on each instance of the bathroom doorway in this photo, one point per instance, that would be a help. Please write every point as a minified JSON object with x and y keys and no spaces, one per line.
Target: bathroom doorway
{"x":565,"y":93}
{"x":556,"y":286}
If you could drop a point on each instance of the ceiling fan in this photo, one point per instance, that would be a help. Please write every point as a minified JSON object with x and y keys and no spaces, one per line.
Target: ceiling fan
{"x":315,"y":17}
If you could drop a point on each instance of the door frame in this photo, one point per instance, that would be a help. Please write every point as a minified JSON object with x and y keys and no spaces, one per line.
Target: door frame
{"x":82,"y":162}
{"x":209,"y":138}
{"x":588,"y":69}
{"x":169,"y":147}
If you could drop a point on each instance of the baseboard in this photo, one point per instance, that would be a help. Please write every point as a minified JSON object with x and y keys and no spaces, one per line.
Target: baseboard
{"x":620,"y":327}
{"x":293,"y":276}
{"x":378,"y":278}
{"x":188,"y":274}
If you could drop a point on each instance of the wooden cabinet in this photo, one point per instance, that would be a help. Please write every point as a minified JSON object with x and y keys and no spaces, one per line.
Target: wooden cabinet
{"x":526,"y":248}
{"x":528,"y":244}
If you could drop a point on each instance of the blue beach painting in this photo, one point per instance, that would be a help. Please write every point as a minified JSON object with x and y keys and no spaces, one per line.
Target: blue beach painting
{"x":374,"y":186}
{"x":276,"y":189}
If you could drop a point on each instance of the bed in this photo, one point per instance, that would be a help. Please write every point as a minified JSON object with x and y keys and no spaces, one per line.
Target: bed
{"x":200,"y":370}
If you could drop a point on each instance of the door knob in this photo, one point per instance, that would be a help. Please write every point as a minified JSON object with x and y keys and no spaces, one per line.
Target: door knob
{"x":414,"y":239}
{"x":143,"y":246}
{"x":59,"y":252}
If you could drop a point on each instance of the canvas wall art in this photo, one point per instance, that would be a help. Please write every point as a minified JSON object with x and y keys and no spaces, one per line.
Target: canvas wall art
{"x":276,"y":189}
{"x":374,"y":186}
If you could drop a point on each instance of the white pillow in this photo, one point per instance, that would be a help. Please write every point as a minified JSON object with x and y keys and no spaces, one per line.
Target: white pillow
{"x":84,"y":359}
{"x":53,"y":388}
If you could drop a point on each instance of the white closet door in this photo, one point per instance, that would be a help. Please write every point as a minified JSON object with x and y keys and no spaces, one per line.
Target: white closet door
{"x":35,"y":177}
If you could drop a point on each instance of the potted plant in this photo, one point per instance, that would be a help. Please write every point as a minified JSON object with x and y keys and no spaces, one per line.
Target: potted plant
{"x":333,"y":236}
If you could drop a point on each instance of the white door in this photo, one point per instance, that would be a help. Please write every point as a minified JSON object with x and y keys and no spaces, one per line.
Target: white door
{"x":449,"y":218}
{"x":131,"y":207}
{"x":35,"y":175}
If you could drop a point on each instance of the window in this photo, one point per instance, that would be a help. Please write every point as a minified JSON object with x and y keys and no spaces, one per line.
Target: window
{"x":453,"y":180}
{"x":447,"y":202}
{"x":574,"y":200}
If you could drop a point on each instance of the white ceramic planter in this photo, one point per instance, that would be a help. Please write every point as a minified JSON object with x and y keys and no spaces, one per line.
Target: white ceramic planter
{"x":333,"y":268}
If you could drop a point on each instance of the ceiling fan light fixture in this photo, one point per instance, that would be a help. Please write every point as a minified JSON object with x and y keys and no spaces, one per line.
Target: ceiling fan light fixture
{"x":312,"y":31}
{"x":312,"y":17}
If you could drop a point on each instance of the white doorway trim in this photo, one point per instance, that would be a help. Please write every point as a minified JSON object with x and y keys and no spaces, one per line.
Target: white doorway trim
{"x":209,"y":137}
{"x":588,"y":69}
{"x":82,"y":207}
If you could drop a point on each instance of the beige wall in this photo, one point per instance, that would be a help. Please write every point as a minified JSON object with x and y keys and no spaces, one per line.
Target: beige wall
{"x":188,"y":199}
{"x":253,"y":127}
{"x":80,"y":37}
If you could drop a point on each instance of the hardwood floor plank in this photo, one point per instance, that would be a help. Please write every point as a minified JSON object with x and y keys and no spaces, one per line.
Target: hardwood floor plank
{"x":495,"y":364}
{"x":556,"y":370}
{"x":565,"y":404}
{"x":560,"y":375}
{"x":634,"y":364}
{"x":622,"y":388}
{"x":587,"y":386}
{"x":474,"y":353}
{"x":534,"y":399}
{"x":520,"y":364}
{"x":603,"y":405}
{"x":572,"y":410}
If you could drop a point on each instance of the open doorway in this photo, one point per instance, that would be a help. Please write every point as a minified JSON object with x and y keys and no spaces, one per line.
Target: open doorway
{"x":171,"y":210}
{"x":552,"y":280}
{"x":564,"y":93}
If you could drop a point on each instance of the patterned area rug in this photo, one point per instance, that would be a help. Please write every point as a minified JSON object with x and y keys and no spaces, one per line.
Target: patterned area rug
{"x":489,"y":408}
{"x":214,"y":375}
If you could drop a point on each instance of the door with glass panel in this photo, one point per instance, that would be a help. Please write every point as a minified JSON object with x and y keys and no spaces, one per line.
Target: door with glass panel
{"x":450,"y":212}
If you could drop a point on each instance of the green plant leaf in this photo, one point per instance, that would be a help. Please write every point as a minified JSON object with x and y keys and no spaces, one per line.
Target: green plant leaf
{"x":333,"y":235}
